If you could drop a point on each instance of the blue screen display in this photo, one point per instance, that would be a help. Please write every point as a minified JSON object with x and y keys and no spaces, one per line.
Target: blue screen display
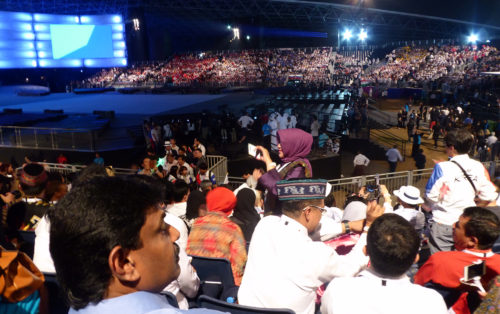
{"x":81,"y":41}
{"x":51,"y":41}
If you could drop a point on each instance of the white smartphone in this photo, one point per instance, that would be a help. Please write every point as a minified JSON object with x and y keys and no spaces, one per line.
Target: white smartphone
{"x":252,"y":150}
{"x":474,"y":270}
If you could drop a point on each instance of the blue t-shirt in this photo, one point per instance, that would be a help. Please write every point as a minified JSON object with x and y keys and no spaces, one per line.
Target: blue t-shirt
{"x":141,"y":302}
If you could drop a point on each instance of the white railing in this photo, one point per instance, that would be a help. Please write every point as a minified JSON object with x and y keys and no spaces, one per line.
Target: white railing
{"x":216,"y":164}
{"x":344,"y":186}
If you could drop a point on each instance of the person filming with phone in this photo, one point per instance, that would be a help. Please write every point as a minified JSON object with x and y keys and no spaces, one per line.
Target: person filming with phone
{"x":293,"y":147}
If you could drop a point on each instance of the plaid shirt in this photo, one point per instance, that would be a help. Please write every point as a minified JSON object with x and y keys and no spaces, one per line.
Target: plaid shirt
{"x":214,"y":235}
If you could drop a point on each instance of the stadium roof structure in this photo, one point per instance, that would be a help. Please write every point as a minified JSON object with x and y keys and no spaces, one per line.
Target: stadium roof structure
{"x":407,"y":23}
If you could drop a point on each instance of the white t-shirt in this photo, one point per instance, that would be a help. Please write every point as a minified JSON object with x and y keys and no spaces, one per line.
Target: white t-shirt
{"x":370,"y":293}
{"x":245,"y":121}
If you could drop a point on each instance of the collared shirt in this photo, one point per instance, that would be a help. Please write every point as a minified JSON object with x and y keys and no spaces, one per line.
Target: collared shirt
{"x":141,"y":302}
{"x":214,"y":235}
{"x":177,"y":209}
{"x":415,"y":217}
{"x":372,"y":293}
{"x":361,"y":160}
{"x":285,"y":266}
{"x":393,"y":155}
{"x":450,"y":192}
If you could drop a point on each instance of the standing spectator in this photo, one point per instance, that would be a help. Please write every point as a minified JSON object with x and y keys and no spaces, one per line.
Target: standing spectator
{"x":491,"y":140}
{"x":411,"y":129}
{"x":200,"y":146}
{"x":214,"y":235}
{"x":360,"y":163}
{"x":273,"y":124}
{"x":266,"y":135}
{"x":392,"y":245}
{"x":436,"y":132}
{"x":417,"y":139}
{"x":293,"y":147}
{"x":315,"y":131}
{"x":61,"y":159}
{"x":98,"y":159}
{"x":245,"y":121}
{"x":453,"y":186}
{"x":167,"y":132}
{"x":393,"y":156}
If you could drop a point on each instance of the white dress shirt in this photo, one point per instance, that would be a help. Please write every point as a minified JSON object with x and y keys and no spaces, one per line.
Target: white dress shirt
{"x":361,"y":160}
{"x":371,"y":293}
{"x":285,"y":267}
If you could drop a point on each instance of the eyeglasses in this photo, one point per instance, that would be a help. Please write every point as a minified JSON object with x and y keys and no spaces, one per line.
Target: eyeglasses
{"x":317,"y":207}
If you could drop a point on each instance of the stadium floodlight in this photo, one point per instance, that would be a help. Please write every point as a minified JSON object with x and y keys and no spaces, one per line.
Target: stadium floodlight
{"x":472,"y":38}
{"x":248,"y":37}
{"x":362,"y":35}
{"x":137,"y":25}
{"x":236,"y":33}
{"x":347,"y":34}
{"x":488,"y":41}
{"x":228,"y":26}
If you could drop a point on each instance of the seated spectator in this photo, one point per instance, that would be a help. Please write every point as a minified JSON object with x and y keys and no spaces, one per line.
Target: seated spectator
{"x":214,"y":235}
{"x":205,"y":174}
{"x":474,"y":235}
{"x":285,"y":266}
{"x":245,"y":215}
{"x":183,"y":175}
{"x":112,"y":249}
{"x":180,"y":197}
{"x":392,"y":245}
{"x":196,"y":206}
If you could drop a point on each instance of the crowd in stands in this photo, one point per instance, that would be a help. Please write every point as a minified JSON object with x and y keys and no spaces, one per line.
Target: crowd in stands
{"x":266,"y":67}
{"x":114,"y":241}
{"x":402,"y":67}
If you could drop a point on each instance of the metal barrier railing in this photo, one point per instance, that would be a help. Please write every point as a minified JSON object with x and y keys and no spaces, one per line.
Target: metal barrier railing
{"x":48,"y":138}
{"x":344,"y":186}
{"x":217,"y":165}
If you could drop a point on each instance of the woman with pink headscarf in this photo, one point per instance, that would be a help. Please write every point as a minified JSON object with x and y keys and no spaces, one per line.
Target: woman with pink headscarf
{"x":293,"y":147}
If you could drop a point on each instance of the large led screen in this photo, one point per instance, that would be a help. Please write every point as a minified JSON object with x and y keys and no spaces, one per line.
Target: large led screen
{"x":52,"y":41}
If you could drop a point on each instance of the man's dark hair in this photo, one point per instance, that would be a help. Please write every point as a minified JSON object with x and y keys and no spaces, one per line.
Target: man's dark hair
{"x":461,"y":139}
{"x":180,"y":190}
{"x":330,"y":200}
{"x":203,"y":166}
{"x":197,"y":150}
{"x":87,"y":223}
{"x":91,"y":171}
{"x":181,"y":157}
{"x":483,"y":224}
{"x":294,"y":208}
{"x":392,"y":245}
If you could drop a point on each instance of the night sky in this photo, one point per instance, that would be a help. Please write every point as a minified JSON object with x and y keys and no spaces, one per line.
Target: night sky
{"x":478,"y":11}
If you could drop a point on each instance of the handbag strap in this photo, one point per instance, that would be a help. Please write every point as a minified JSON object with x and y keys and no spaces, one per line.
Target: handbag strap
{"x":466,"y":175}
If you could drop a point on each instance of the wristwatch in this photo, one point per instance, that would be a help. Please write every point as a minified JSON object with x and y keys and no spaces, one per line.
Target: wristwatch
{"x":346,"y":227}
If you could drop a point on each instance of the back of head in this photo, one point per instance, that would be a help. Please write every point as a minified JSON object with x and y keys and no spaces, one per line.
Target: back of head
{"x":194,"y":201}
{"x":483,"y":224}
{"x":33,"y":179}
{"x":221,"y":200}
{"x":181,"y":189}
{"x":392,"y":245}
{"x":87,"y":223}
{"x":461,"y":139}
